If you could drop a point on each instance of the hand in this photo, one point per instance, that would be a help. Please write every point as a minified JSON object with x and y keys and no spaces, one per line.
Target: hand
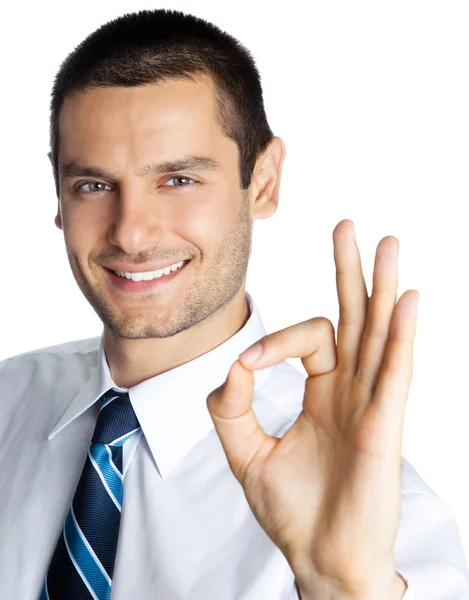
{"x":328,"y":492}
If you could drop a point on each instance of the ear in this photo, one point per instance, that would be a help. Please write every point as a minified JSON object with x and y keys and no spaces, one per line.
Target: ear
{"x":265,"y":181}
{"x":58,"y":217}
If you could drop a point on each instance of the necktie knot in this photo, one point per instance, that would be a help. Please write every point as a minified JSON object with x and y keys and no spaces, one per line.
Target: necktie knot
{"x":117,"y":420}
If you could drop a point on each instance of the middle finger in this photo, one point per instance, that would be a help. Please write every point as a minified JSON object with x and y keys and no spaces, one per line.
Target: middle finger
{"x":352,"y":295}
{"x":380,"y":308}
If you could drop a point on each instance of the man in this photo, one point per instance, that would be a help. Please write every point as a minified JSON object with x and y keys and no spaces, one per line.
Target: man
{"x":151,"y":463}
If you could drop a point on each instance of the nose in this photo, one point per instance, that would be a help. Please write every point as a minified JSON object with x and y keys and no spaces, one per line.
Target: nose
{"x":140,"y":220}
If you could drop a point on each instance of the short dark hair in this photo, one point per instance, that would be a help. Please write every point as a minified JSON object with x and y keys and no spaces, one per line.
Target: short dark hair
{"x":155,"y":45}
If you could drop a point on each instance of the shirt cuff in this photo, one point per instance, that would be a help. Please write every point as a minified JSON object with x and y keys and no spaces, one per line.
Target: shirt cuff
{"x":409,"y":593}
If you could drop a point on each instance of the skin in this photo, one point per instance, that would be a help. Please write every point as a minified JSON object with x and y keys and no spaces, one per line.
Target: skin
{"x":156,"y":218}
{"x":328,"y":492}
{"x":340,"y":461}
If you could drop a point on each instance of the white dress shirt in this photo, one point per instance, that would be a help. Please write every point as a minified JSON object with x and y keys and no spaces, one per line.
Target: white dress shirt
{"x":187,"y":531}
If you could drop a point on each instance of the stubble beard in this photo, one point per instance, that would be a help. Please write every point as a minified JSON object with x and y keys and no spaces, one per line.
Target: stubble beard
{"x":209,"y":293}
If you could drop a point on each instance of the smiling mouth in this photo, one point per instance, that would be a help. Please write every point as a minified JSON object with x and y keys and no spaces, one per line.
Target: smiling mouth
{"x":127,"y":284}
{"x":151,"y":275}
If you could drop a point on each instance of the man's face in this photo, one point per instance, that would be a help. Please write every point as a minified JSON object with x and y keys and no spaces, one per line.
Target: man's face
{"x":138,"y":222}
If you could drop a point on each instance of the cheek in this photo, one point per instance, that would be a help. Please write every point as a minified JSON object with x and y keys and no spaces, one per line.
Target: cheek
{"x":197,"y":225}
{"x":204,"y":221}
{"x":82,"y":230}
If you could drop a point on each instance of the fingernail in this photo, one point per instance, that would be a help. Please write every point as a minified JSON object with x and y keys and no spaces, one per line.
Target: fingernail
{"x":251,"y":354}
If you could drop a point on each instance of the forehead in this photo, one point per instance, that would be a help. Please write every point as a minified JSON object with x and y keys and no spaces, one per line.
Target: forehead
{"x":151,"y":117}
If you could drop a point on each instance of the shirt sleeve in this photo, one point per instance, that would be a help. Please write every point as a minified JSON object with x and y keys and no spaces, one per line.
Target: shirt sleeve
{"x":428,"y":550}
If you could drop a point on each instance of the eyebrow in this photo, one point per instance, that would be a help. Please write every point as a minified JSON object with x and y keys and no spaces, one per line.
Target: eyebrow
{"x":76,"y":168}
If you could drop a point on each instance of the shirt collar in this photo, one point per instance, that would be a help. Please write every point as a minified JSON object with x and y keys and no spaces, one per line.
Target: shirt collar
{"x":172,"y":407}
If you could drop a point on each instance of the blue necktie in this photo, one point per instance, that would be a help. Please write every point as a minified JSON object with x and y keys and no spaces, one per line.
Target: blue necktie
{"x":82,"y":565}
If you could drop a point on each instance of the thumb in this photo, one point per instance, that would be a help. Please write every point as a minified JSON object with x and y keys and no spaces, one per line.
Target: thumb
{"x":230,"y":407}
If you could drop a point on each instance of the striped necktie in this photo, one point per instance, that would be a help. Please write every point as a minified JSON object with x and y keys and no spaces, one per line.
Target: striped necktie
{"x":82,"y":565}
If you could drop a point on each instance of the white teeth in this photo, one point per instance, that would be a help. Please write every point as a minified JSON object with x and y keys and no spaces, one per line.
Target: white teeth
{"x":149,"y":275}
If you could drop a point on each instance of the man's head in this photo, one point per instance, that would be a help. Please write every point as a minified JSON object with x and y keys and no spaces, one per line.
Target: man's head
{"x":157,"y":88}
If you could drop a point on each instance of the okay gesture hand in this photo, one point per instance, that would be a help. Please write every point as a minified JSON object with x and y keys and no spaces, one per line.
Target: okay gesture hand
{"x":328,"y":492}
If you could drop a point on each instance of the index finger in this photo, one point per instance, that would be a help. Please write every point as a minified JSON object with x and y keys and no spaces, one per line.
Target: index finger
{"x":313,"y":341}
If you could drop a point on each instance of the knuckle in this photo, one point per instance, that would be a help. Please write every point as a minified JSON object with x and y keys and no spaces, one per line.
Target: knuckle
{"x":281,"y":337}
{"x":326,"y":325}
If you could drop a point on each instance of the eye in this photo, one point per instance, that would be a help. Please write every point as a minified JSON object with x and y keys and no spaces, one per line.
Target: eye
{"x":80,"y":187}
{"x":180,"y":178}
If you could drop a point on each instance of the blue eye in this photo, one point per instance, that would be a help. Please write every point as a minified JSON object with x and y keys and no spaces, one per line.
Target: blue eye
{"x":184,"y":182}
{"x":180,"y":177}
{"x":93,"y":183}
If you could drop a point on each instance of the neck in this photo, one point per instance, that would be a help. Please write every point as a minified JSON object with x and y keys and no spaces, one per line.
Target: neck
{"x":133,"y":361}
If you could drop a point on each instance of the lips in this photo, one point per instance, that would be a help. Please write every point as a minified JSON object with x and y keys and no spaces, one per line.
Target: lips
{"x":142,"y":268}
{"x":135,"y":287}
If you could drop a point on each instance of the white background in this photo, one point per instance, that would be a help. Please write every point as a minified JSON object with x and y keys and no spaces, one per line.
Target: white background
{"x":372,"y":102}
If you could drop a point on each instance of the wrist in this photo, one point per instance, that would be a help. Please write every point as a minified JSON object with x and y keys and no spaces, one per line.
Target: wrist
{"x":391,"y":587}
